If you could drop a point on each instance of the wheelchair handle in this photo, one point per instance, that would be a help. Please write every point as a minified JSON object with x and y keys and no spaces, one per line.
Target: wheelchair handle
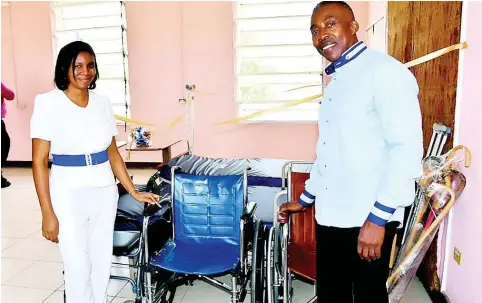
{"x":276,"y":205}
{"x":155,"y":208}
{"x":166,"y":199}
{"x":282,"y":217}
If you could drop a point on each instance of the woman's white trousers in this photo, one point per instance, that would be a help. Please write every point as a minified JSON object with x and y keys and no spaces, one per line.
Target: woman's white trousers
{"x":86,"y":224}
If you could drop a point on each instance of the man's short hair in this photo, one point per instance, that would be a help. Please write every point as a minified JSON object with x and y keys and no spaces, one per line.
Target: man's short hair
{"x":325,"y":3}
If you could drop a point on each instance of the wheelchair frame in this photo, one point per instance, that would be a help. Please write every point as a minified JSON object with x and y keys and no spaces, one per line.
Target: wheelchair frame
{"x":140,"y":255}
{"x":148,"y":287}
{"x":133,"y":257}
{"x":240,"y":275}
{"x":280,"y":277}
{"x":153,"y":288}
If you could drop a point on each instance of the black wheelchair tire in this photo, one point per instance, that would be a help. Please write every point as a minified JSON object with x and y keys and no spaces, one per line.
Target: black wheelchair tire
{"x":257,"y":266}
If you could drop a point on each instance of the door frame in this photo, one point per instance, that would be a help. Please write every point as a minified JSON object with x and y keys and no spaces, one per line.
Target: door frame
{"x":445,"y":232}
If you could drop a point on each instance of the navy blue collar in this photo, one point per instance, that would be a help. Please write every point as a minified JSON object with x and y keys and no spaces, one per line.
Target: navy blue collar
{"x":346,"y":57}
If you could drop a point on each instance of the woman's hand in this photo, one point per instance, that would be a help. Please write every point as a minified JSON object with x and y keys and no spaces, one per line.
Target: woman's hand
{"x":50,"y":227}
{"x":145,"y":197}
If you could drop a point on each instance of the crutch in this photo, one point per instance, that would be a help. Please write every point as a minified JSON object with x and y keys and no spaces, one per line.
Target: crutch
{"x":439,"y":137}
{"x":437,"y":143}
{"x":443,"y":195}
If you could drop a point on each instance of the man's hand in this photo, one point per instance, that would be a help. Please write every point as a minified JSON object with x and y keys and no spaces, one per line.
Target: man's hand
{"x":291,"y":207}
{"x":370,"y":241}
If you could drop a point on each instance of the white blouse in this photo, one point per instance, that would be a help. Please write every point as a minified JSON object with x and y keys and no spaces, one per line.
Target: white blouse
{"x":75,"y":130}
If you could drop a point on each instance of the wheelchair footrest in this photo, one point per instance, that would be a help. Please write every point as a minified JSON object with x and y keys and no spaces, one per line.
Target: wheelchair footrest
{"x":125,"y":242}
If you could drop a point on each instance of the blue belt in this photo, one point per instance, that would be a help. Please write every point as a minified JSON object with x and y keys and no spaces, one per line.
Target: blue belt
{"x":80,"y":160}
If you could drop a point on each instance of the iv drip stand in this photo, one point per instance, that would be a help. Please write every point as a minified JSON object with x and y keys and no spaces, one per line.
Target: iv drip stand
{"x":190,"y":117}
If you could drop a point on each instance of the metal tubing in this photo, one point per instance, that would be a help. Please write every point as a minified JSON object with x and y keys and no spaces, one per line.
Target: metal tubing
{"x":216,"y":283}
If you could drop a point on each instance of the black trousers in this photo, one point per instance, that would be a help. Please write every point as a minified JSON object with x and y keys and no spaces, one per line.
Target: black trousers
{"x":5,"y":144}
{"x":342,"y":276}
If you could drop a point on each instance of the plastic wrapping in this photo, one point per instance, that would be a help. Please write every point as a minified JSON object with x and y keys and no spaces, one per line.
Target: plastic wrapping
{"x":440,"y":185}
{"x":408,"y":270}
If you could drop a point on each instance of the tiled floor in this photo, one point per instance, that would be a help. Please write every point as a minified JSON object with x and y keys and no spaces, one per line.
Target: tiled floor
{"x":31,"y":267}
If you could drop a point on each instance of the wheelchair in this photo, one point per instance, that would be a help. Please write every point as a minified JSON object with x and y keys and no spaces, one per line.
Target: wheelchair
{"x":139,"y":232}
{"x":214,"y":232}
{"x":131,"y":238}
{"x":292,"y":240}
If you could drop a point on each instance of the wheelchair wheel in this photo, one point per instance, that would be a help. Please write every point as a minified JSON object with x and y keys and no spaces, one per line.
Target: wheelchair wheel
{"x":266,"y":264}
{"x":257,"y":264}
{"x":282,"y":274}
{"x":274,"y":266}
{"x":285,"y":271}
{"x":269,"y":267}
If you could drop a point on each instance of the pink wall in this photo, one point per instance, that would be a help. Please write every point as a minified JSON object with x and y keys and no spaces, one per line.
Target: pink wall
{"x":27,"y":67}
{"x":463,"y":282}
{"x":376,"y":11}
{"x":170,"y":44}
{"x":154,"y":39}
{"x":377,"y":23}
{"x":194,"y":45}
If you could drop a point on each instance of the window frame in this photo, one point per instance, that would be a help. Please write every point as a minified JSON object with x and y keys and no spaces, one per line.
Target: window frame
{"x":125,"y":104}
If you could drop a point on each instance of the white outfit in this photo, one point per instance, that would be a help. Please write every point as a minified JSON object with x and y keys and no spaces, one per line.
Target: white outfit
{"x":84,"y":198}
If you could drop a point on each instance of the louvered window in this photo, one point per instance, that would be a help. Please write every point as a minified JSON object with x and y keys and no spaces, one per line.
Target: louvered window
{"x":273,"y":54}
{"x":103,"y":26}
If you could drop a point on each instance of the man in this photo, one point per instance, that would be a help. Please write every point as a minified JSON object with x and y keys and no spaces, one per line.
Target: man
{"x":368,"y":156}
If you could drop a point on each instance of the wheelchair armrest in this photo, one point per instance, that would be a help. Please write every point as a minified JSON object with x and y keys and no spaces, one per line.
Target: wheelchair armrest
{"x":125,"y":215}
{"x":249,"y":211}
{"x":157,"y":209}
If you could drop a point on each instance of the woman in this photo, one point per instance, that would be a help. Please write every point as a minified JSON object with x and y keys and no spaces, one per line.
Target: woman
{"x":79,"y":198}
{"x":7,"y":94}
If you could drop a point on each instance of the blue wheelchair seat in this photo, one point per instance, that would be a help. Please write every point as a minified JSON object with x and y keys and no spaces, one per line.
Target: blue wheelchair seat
{"x":207,"y":213}
{"x":188,"y":258}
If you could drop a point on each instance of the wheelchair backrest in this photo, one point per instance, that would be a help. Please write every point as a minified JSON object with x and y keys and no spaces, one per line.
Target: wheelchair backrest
{"x":303,"y":226}
{"x":264,"y":179}
{"x":207,"y":209}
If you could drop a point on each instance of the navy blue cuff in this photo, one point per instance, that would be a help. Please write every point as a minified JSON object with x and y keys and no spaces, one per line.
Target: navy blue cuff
{"x":380,"y":214}
{"x":384,"y":208}
{"x":306,"y":199}
{"x":376,"y":220}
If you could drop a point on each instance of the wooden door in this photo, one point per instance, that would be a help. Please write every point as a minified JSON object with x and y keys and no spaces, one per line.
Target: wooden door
{"x":415,"y":29}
